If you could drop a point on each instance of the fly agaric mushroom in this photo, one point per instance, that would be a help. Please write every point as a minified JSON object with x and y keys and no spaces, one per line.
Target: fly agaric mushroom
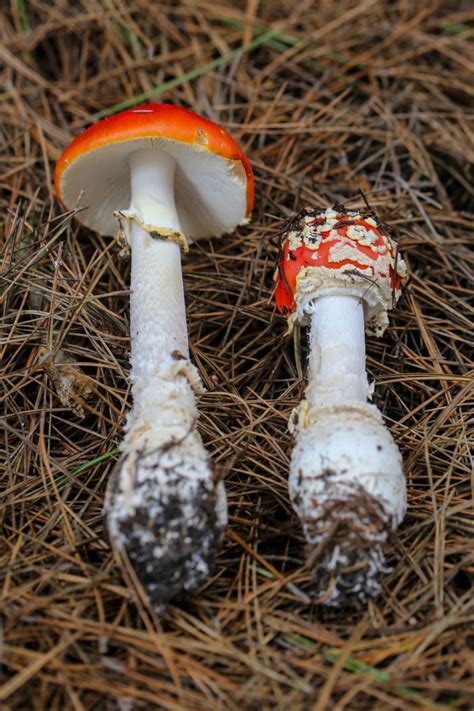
{"x":167,"y":176}
{"x":337,"y":271}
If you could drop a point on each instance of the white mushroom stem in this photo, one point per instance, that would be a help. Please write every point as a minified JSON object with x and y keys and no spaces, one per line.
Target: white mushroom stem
{"x":337,"y":352}
{"x":163,"y":401}
{"x":162,"y":394}
{"x":164,"y":506}
{"x":346,"y":477}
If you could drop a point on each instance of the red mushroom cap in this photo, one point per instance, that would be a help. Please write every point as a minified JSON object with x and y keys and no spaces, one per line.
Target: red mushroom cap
{"x":96,"y":160}
{"x":345,"y":247}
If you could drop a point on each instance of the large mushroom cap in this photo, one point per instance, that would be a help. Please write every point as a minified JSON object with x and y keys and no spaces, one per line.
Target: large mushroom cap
{"x":213,"y":181}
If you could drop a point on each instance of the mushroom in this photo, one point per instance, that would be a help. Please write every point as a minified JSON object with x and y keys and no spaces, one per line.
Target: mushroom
{"x":167,"y":176}
{"x":339,"y":271}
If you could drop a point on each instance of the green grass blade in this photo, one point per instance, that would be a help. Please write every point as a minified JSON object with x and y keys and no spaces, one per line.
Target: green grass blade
{"x":20,"y":6}
{"x":283,"y":37}
{"x":281,"y":41}
{"x":189,"y":76}
{"x":357,"y":667}
{"x":78,"y":470}
{"x":456,"y":28}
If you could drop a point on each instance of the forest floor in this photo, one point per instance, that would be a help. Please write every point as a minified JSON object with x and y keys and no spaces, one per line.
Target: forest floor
{"x":329,"y":100}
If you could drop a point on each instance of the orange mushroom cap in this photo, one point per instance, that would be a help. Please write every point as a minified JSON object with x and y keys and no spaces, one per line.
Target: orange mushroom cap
{"x":95,"y":162}
{"x":341,"y":244}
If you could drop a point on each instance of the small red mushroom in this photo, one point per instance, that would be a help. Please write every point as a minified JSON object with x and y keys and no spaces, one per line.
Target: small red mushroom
{"x":344,"y":242}
{"x":339,"y":272}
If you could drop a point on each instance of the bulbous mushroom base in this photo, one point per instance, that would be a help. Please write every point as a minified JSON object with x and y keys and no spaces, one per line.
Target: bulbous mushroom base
{"x":167,"y":512}
{"x":347,"y":486}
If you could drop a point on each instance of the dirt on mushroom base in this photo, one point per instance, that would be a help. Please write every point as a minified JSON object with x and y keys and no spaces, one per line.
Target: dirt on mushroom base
{"x":349,"y":535}
{"x":168,"y":516}
{"x":386,"y":113}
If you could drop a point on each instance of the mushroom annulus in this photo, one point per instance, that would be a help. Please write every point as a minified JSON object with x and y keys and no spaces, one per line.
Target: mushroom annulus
{"x":164,"y":177}
{"x":338,"y":272}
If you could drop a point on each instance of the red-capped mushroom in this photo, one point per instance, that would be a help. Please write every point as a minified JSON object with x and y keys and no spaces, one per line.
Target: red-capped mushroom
{"x":167,"y":176}
{"x":339,"y":272}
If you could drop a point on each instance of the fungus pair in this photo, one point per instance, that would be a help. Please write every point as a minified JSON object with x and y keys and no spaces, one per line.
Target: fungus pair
{"x":165,"y":176}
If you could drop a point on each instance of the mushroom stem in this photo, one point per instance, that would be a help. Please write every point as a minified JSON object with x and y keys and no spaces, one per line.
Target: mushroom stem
{"x":161,"y":374}
{"x":346,"y":479}
{"x":152,"y":174}
{"x":164,"y":506}
{"x":159,"y":337}
{"x":337,"y":352}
